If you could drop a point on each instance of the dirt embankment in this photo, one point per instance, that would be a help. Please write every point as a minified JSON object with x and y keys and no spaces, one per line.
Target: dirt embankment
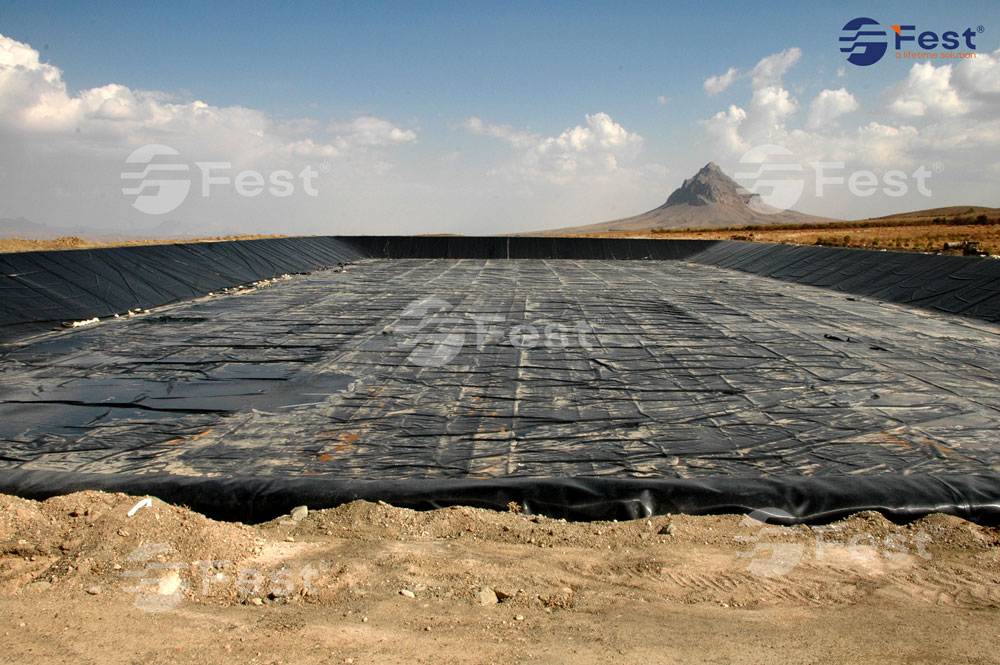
{"x":81,"y":581}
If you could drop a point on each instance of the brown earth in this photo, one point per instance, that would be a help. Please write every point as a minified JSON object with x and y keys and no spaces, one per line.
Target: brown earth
{"x":924,"y":231}
{"x":75,"y":242}
{"x":921,"y":231}
{"x":369,"y":583}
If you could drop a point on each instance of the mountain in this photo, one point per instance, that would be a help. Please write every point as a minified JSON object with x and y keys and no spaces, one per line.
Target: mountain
{"x":710,"y":198}
{"x":168,"y":230}
{"x":24,"y":228}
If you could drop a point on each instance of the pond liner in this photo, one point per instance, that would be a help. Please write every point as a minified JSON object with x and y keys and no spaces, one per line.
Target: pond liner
{"x":45,"y":289}
{"x":716,"y":377}
{"x":787,"y":500}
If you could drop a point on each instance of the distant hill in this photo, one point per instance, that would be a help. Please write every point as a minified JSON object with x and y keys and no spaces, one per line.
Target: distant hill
{"x":948,"y":212}
{"x":709,"y":199}
{"x":169,"y":230}
{"x":23,"y":228}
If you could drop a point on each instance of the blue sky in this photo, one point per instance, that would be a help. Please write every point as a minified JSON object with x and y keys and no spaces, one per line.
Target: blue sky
{"x":463,"y":117}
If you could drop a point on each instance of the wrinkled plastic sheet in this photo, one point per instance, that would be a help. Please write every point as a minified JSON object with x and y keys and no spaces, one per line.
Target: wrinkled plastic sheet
{"x":42,"y":290}
{"x":668,"y":387}
{"x":39,"y":290}
{"x":967,"y":286}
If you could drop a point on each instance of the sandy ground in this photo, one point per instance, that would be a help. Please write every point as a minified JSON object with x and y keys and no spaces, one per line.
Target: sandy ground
{"x":75,"y":242}
{"x":927,"y":239}
{"x":82,"y":582}
{"x":919,"y":231}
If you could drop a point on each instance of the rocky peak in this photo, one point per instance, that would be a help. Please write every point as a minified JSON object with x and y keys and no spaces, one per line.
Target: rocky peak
{"x":710,"y":185}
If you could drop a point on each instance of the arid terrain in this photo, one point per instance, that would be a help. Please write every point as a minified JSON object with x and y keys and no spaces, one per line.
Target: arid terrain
{"x":924,"y":231}
{"x":82,"y":582}
{"x":76,"y":242}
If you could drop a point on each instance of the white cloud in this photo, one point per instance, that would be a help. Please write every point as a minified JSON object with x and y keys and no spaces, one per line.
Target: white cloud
{"x":970,"y":87}
{"x":885,"y":146}
{"x":34,"y":100}
{"x":724,"y":129}
{"x":600,"y":148}
{"x":934,"y":110}
{"x":937,"y":114}
{"x":370,"y":131}
{"x":770,"y":70}
{"x":926,"y":90}
{"x":771,"y":105}
{"x":828,"y":105}
{"x":662,"y":100}
{"x":515,"y":137}
{"x":715,"y":84}
{"x":62,"y":155}
{"x":977,"y":83}
{"x":980,"y":76}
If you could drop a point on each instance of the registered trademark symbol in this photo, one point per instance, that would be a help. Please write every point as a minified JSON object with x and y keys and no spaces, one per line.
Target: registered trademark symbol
{"x":980,"y":29}
{"x":938,"y":167}
{"x":325,"y":167}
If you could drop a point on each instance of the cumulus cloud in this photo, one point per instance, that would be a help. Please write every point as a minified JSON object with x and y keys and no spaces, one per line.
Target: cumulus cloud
{"x":62,"y":153}
{"x":770,"y":70}
{"x":517,"y":138}
{"x":770,"y":107}
{"x":715,"y":84}
{"x":885,"y":146}
{"x":828,"y":105}
{"x":927,"y":90}
{"x":370,"y":131}
{"x":946,"y":115}
{"x":979,"y":77}
{"x":34,"y":100}
{"x":969,"y":87}
{"x":724,"y":129}
{"x":598,"y":148}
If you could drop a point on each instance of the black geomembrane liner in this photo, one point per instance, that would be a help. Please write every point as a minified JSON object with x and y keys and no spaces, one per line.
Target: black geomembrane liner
{"x":663,"y":376}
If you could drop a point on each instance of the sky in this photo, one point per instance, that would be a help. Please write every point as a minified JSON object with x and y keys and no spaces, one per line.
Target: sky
{"x":475,"y":117}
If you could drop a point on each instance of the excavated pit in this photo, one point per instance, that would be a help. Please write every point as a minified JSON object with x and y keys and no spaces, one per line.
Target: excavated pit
{"x":579,"y":378}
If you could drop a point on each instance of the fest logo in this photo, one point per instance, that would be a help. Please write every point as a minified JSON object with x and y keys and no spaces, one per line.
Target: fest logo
{"x":864,"y":41}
